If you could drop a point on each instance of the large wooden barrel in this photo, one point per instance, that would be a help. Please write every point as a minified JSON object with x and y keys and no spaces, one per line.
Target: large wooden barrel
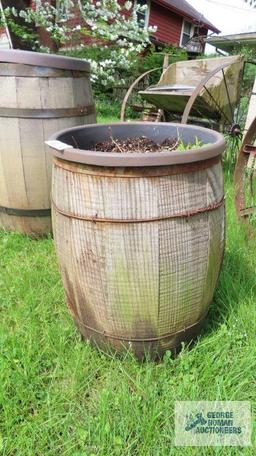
{"x":139,"y":237}
{"x":39,"y":95}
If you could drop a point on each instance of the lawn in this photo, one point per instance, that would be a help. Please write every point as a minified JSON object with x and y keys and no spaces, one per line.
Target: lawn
{"x":60,"y":396}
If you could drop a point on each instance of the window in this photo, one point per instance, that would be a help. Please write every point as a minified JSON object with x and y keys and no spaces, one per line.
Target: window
{"x":187,"y":33}
{"x":143,"y":16}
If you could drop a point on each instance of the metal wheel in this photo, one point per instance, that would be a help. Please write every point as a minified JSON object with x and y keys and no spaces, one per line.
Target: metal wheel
{"x":245,"y":176}
{"x":134,"y":106}
{"x":232,"y":122}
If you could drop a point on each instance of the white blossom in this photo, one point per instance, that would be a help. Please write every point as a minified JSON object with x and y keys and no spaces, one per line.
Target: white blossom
{"x":128,"y":5}
{"x":102,"y":20}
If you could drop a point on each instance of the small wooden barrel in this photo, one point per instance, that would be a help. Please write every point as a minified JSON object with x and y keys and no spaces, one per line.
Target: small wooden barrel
{"x":139,"y":237}
{"x":39,"y":94}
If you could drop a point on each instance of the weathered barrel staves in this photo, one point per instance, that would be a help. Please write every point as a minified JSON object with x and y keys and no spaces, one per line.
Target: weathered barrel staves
{"x":139,"y":237}
{"x":39,"y":94}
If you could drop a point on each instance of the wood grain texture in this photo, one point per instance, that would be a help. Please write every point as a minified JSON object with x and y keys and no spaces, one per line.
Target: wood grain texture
{"x":25,"y":161}
{"x":127,"y":283}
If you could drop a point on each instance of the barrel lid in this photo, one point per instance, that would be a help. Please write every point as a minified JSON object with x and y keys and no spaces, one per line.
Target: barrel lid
{"x":45,"y":60}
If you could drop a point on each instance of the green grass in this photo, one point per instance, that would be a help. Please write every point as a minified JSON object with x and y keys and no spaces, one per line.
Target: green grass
{"x":60,"y":396}
{"x":108,"y":110}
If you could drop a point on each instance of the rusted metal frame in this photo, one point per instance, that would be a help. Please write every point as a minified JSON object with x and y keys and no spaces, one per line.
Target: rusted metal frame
{"x":128,"y":93}
{"x":251,"y":186}
{"x":185,"y":214}
{"x":25,"y":212}
{"x":135,"y":339}
{"x":47,"y":113}
{"x":202,"y":118}
{"x":198,"y":89}
{"x":248,"y":211}
{"x":218,"y":106}
{"x":240,"y":168}
{"x":249,"y":149}
{"x":229,"y":102}
{"x":135,"y":173}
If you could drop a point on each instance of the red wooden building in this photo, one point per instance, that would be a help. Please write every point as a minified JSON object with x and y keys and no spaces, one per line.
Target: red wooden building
{"x":177,"y":22}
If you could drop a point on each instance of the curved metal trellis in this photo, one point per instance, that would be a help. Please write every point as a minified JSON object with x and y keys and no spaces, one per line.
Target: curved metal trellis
{"x":130,"y":90}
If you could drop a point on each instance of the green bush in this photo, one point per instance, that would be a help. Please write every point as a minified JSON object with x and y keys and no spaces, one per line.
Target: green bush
{"x":139,"y":63}
{"x":155,"y":58}
{"x":104,"y":108}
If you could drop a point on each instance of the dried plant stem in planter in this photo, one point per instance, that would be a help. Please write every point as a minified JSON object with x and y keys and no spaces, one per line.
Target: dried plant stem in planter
{"x":142,"y":144}
{"x":138,"y":144}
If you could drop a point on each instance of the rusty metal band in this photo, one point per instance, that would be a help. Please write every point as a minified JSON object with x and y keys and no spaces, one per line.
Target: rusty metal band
{"x":185,"y":214}
{"x":135,"y":339}
{"x":25,"y":212}
{"x":47,"y":113}
{"x":136,"y":173}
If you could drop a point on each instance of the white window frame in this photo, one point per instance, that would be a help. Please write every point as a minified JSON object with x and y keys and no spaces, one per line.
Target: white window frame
{"x":192,"y":31}
{"x":147,"y":12}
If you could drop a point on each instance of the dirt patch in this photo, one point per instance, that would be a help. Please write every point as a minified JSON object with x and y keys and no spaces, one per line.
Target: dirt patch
{"x":140,"y":144}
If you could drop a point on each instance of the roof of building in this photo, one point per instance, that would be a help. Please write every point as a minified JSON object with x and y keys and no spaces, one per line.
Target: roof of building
{"x":228,"y":42}
{"x":186,"y":10}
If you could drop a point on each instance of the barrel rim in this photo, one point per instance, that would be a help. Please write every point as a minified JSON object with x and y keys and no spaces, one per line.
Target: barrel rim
{"x":43,"y":60}
{"x":137,"y":159}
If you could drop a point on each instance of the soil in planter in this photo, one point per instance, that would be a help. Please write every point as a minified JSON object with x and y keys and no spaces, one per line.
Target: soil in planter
{"x":140,"y":144}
